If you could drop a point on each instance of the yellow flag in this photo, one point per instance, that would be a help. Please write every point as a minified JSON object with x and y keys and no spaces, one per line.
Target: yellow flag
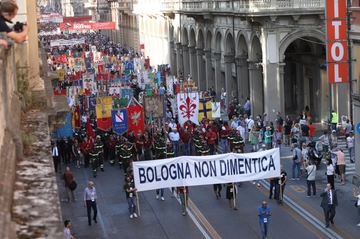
{"x":103,"y":107}
{"x":205,"y":109}
{"x":61,"y":74}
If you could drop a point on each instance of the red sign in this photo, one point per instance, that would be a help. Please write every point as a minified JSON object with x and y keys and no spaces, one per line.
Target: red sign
{"x":76,"y":19}
{"x":87,"y":26}
{"x":336,"y":33}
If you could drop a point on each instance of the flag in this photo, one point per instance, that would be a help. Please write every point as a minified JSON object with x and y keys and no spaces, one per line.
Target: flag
{"x":91,"y":102}
{"x":66,"y":129}
{"x":103,"y":112}
{"x":119,"y":121}
{"x":61,"y":74}
{"x":137,"y":64}
{"x":205,"y":109}
{"x":75,"y":116}
{"x":188,"y":107}
{"x":89,"y":84}
{"x":215,"y":106}
{"x":135,"y":116}
{"x":89,"y":130}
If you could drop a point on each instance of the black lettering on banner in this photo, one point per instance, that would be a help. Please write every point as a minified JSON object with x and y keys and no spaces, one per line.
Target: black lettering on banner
{"x":222,"y":167}
{"x":213,"y":169}
{"x":180,"y":171}
{"x":148,"y":176}
{"x":142,"y":175}
{"x":157,"y":179}
{"x":197,"y":169}
{"x":232,"y":166}
{"x":262,"y":164}
{"x":271,"y":164}
{"x":166,"y":170}
{"x":241,"y":165}
{"x":172,"y":170}
{"x":248,"y":166}
{"x":204,"y":171}
{"x":187,"y":171}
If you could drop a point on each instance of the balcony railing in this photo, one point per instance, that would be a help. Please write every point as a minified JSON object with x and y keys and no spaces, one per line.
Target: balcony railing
{"x":90,"y":5}
{"x":249,"y":6}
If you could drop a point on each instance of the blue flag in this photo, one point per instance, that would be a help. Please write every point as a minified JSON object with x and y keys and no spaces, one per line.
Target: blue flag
{"x":119,"y":120}
{"x":92,"y":102}
{"x":66,"y":129}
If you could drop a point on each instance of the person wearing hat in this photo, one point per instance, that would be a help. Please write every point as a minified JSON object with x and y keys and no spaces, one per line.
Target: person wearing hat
{"x":94,"y":159}
{"x":111,"y":144}
{"x":350,"y":143}
{"x":174,"y":137}
{"x":118,"y":145}
{"x":126,"y":156}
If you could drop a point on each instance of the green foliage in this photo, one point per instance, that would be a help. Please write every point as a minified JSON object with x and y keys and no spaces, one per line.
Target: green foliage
{"x":31,"y":99}
{"x":27,"y":139}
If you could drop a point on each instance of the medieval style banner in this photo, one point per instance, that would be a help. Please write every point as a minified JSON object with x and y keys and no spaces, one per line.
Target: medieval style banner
{"x":119,"y":120}
{"x":154,"y":106}
{"x":136,"y":118}
{"x":205,"y":109}
{"x":188,"y":107}
{"x":103,"y":113}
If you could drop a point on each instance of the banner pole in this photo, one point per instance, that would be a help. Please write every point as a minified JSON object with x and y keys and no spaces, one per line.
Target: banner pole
{"x":137,"y":202}
{"x":234,"y":198}
{"x":185,"y":200}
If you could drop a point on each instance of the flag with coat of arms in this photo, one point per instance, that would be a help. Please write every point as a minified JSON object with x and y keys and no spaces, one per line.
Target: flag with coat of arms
{"x":103,"y":112}
{"x":216,"y":113}
{"x":205,"y":109}
{"x":188,"y":107}
{"x":119,"y":120}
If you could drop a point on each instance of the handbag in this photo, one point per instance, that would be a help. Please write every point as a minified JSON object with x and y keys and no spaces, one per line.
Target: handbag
{"x":307,"y":174}
{"x":295,"y":157}
{"x":73,"y":185}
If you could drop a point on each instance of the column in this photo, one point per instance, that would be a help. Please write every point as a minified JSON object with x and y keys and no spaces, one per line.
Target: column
{"x":201,"y":74}
{"x":209,"y":79}
{"x":218,"y":79}
{"x":179,"y":58}
{"x":271,"y":94}
{"x":186,"y":61}
{"x":256,"y":89}
{"x":281,"y":74}
{"x":356,"y":105}
{"x":230,"y":83}
{"x":193,"y":63}
{"x":172,"y":58}
{"x":242,"y":78}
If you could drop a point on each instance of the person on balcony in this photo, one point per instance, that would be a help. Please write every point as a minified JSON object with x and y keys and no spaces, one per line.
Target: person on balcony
{"x":8,"y":10}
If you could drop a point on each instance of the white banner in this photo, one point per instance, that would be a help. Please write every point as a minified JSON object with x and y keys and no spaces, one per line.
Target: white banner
{"x":216,"y":113}
{"x":188,"y":107}
{"x":205,"y":170}
{"x":63,"y":42}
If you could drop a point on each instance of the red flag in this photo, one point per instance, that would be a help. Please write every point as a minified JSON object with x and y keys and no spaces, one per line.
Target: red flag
{"x":136,"y":118}
{"x":76,"y":116}
{"x":101,"y":69}
{"x":89,"y":130}
{"x":104,"y":123}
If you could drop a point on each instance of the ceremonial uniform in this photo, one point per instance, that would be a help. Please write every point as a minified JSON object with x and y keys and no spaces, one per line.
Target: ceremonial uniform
{"x":204,"y":149}
{"x":126,"y":155}
{"x":111,"y":148}
{"x":231,"y":139}
{"x":94,"y":159}
{"x":169,"y":151}
{"x":197,"y":143}
{"x":119,"y":145}
{"x":160,"y":148}
{"x":147,"y":148}
{"x":99,"y":146}
{"x":239,"y":143}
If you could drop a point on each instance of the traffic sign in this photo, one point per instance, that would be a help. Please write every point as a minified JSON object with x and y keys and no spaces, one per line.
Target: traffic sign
{"x":358,"y":128}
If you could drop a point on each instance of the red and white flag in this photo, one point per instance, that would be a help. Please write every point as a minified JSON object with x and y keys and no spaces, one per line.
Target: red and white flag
{"x":188,"y":107}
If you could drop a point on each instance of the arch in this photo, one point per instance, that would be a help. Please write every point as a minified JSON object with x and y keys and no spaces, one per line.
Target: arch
{"x":185,"y":37}
{"x":229,"y":47}
{"x":218,"y":41}
{"x":177,"y":35}
{"x":242,"y":46}
{"x":208,"y":40}
{"x":255,"y":51}
{"x":192,"y":37}
{"x":172,"y":36}
{"x":291,"y":37}
{"x":200,"y":41}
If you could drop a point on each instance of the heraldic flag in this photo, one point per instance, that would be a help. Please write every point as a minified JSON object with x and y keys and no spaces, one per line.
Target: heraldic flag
{"x":188,"y":107}
{"x":205,"y":109}
{"x":216,"y":113}
{"x":75,"y":117}
{"x":135,"y":117}
{"x":103,"y":112}
{"x":119,"y":120}
{"x":66,"y":129}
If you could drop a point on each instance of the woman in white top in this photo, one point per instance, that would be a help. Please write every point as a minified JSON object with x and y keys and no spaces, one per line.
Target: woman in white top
{"x":330,"y":172}
{"x":357,"y":196}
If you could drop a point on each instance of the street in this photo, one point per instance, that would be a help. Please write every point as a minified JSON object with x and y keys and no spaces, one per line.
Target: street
{"x":299,"y":217}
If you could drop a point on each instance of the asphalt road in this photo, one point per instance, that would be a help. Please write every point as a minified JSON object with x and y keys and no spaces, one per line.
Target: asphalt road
{"x":299,"y":217}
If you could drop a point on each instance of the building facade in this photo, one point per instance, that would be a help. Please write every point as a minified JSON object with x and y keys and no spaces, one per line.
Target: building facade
{"x":272,"y":51}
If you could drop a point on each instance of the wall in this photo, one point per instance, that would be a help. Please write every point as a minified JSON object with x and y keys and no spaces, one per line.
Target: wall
{"x":10,"y":140}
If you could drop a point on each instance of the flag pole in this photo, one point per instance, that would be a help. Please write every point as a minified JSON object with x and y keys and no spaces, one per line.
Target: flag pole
{"x":234,"y":198}
{"x":137,"y":202}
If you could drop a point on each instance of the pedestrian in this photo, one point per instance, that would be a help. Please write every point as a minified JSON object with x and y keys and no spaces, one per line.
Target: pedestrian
{"x":254,"y":139}
{"x":304,"y":158}
{"x":350,"y":143}
{"x":348,"y":128}
{"x":68,"y":178}
{"x":224,"y":134}
{"x":174,"y":137}
{"x":329,"y":202}
{"x":279,"y":122}
{"x":231,"y":195}
{"x":357,"y":196}
{"x":217,"y":190}
{"x":341,"y":163}
{"x":310,"y":180}
{"x":296,"y":162}
{"x":268,"y":138}
{"x":130,"y":190}
{"x":183,"y":192}
{"x":330,"y":172}
{"x":287,"y":129}
{"x":75,"y":151}
{"x":325,"y":141}
{"x":90,"y":201}
{"x":283,"y":180}
{"x":311,"y":131}
{"x":277,"y":139}
{"x":67,"y":232}
{"x":264,"y":213}
{"x":56,"y":156}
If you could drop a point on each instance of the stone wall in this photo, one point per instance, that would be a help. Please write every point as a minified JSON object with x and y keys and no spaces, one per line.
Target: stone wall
{"x":29,"y":199}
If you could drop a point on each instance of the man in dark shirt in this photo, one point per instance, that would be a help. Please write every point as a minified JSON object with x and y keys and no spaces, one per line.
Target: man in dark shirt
{"x":287,"y":129}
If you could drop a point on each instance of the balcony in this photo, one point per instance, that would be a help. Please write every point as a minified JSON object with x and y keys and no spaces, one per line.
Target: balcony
{"x":90,"y":5}
{"x":153,"y":7}
{"x":252,"y":7}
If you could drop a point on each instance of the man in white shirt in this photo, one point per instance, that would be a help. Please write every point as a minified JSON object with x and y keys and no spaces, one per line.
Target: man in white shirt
{"x":172,"y":124}
{"x":56,"y":156}
{"x":174,"y":137}
{"x":350,"y":142}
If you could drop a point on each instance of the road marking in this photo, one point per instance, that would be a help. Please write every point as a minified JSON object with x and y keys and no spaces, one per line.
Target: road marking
{"x":106,"y":236}
{"x":202,"y":219}
{"x":330,"y":233}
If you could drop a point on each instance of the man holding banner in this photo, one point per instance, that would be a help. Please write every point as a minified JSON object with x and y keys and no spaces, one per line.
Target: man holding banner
{"x":183,"y":193}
